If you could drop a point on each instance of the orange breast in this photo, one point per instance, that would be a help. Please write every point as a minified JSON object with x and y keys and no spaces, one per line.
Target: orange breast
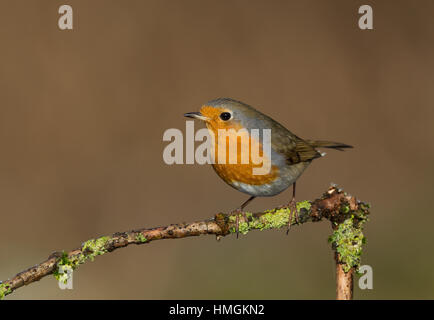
{"x":240,"y":172}
{"x":243,"y":173}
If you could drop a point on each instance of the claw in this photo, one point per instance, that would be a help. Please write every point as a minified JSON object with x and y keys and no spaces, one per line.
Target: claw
{"x":293,"y":213}
{"x":292,"y":209}
{"x":240,"y":210}
{"x":238,"y":223}
{"x":237,"y":213}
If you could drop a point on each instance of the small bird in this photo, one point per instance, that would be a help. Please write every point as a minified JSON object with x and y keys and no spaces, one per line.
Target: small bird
{"x":290,"y":155}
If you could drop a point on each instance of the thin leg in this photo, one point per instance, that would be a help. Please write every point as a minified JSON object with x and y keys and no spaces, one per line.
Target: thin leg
{"x":240,"y":210}
{"x":246,"y":203}
{"x":293,"y":209}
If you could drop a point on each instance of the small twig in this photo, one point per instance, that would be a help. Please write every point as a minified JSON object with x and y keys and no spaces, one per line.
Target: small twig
{"x":334,"y":205}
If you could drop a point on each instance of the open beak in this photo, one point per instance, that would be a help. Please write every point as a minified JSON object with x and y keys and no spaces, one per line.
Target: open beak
{"x":196,"y":115}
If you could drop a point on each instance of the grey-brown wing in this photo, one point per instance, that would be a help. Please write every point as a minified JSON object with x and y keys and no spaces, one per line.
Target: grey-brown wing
{"x":294,"y":148}
{"x":283,"y":141}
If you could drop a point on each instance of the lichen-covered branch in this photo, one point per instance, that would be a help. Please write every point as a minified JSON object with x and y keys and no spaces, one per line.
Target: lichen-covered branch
{"x":346,"y":214}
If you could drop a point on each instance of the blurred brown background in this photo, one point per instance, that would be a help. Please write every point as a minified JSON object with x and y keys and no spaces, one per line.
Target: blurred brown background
{"x":82,"y":115}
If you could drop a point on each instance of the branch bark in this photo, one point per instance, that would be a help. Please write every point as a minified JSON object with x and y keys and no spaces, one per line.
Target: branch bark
{"x":334,"y":205}
{"x":344,"y":281}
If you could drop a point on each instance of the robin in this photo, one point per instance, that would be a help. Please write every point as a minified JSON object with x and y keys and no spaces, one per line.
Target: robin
{"x":290,"y":155}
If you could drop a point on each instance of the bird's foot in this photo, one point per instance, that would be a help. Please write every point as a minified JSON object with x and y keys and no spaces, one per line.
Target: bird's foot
{"x":237,"y":213}
{"x":293,"y":213}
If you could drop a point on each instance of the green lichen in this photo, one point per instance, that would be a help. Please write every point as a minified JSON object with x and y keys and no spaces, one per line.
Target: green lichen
{"x":141,"y":238}
{"x":5,"y":289}
{"x":345,"y":209}
{"x":89,"y":250}
{"x":348,"y":239}
{"x":271,"y":219}
{"x":95,"y":247}
{"x":304,"y":205}
{"x":64,"y":264}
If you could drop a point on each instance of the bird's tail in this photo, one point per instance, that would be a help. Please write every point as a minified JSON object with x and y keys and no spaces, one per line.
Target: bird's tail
{"x":328,"y":144}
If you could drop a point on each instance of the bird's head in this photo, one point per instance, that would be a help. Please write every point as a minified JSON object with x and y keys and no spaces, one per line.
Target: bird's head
{"x":223,"y":113}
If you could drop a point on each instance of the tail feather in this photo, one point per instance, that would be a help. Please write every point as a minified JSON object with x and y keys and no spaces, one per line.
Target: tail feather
{"x":329,"y":144}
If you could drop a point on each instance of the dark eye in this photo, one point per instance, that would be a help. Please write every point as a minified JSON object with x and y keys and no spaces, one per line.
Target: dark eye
{"x":225,"y":116}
